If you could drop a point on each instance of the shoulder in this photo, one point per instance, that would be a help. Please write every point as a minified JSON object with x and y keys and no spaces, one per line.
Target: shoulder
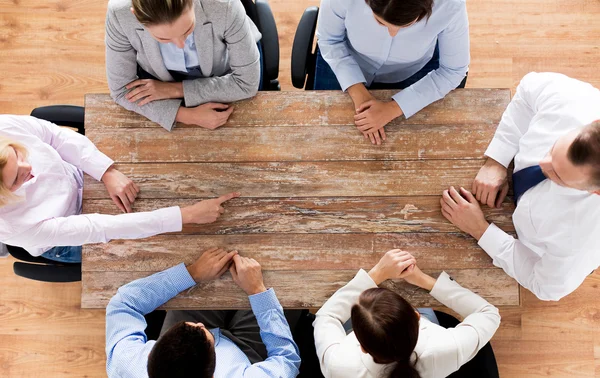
{"x":119,"y":6}
{"x":449,"y":6}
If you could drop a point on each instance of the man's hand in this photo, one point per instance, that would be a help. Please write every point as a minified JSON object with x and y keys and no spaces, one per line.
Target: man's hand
{"x":207,"y":211}
{"x":393,"y":265}
{"x":373,"y":115}
{"x":418,"y":278}
{"x":147,"y":90}
{"x":122,"y":190}
{"x":491,"y":184}
{"x":247,"y":275}
{"x":210,"y":116}
{"x":211,"y":264}
{"x":463,"y":210}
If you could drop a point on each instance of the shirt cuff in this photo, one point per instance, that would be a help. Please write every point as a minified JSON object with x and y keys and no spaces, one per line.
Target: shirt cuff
{"x":347,"y":76}
{"x":500,"y":151}
{"x":263,"y":302}
{"x":407,"y":101}
{"x":492,"y":240}
{"x":442,"y":286}
{"x":362,"y":279}
{"x":98,"y":165}
{"x":180,"y":277}
{"x":170,"y":219}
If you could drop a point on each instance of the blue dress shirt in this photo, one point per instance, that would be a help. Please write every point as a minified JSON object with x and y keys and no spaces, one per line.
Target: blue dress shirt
{"x":127,"y":347}
{"x":180,"y":60}
{"x":360,"y":50}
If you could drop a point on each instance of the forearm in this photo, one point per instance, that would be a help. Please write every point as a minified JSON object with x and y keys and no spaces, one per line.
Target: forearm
{"x":101,"y":228}
{"x":238,"y":85}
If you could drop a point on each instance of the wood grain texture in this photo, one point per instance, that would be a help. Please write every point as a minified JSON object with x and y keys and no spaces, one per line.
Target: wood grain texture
{"x":317,"y":287}
{"x":251,"y":144}
{"x":294,"y":179}
{"x":332,"y":108}
{"x":298,"y":252}
{"x":319,"y":215}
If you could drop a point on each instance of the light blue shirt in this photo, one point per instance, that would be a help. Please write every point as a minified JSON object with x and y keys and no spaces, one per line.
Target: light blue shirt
{"x":127,"y":347}
{"x":177,"y":59}
{"x":360,"y":50}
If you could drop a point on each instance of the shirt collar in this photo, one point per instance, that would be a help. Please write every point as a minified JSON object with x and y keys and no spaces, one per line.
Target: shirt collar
{"x":216,"y":332}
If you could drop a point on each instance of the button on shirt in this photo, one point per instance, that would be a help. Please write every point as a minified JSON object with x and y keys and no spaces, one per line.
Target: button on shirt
{"x":47,"y":214}
{"x":127,"y":347}
{"x":558,"y":227}
{"x":181,"y":60}
{"x":360,"y":50}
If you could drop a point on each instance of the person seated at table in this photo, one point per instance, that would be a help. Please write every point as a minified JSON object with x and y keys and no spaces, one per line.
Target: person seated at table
{"x":419,"y":46}
{"x":551,"y":129}
{"x":41,"y":190}
{"x":388,"y":337}
{"x":159,"y":53}
{"x":191,"y":345}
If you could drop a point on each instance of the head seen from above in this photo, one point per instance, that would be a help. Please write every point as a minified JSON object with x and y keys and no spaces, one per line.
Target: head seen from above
{"x":14,"y":169}
{"x":186,"y":347}
{"x":574,"y":160}
{"x":168,"y":21}
{"x":399,"y":14}
{"x":387,"y":328}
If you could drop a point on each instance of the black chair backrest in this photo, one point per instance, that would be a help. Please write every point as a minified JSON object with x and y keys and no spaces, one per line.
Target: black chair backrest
{"x":303,"y":58}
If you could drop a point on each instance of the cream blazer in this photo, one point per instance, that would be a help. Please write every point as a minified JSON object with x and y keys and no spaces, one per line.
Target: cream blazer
{"x":440,"y":351}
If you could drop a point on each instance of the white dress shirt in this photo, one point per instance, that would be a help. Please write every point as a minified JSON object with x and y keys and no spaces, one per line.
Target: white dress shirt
{"x":440,"y":351}
{"x":558,"y":227}
{"x":47,"y":214}
{"x":360,"y":50}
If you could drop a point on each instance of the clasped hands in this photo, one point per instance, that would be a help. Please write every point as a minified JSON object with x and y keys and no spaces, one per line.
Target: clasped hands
{"x":398,"y":264}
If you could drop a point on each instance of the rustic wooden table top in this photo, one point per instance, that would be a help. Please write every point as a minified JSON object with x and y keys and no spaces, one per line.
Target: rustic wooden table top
{"x":318,"y":201}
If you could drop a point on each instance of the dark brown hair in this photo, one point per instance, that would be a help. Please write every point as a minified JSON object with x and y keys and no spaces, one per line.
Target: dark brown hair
{"x":153,"y":12}
{"x":401,"y":12}
{"x":585,"y":150}
{"x":387,"y":328}
{"x":181,"y":350}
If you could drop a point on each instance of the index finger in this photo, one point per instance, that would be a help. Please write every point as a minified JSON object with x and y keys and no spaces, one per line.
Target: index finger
{"x":227,"y":197}
{"x":117,"y":202}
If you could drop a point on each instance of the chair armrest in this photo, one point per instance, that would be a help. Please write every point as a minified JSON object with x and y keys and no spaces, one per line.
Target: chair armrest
{"x":303,"y":45}
{"x":48,"y":273}
{"x":62,"y":115}
{"x":270,"y":39}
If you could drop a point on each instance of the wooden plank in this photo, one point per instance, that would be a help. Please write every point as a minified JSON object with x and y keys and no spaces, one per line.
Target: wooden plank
{"x":294,"y":179}
{"x":316,"y":108}
{"x":250,"y":144}
{"x":317,"y":286}
{"x":319,"y":215}
{"x":289,"y":251}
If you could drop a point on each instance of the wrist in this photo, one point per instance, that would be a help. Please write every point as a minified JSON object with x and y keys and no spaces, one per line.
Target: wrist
{"x":177,"y":89}
{"x":376,"y":276}
{"x":183,"y":115}
{"x":427,"y":282}
{"x":480,"y":230}
{"x":394,"y":109}
{"x":108,"y":172}
{"x":185,"y":215}
{"x":257,"y":290}
{"x":190,"y":269}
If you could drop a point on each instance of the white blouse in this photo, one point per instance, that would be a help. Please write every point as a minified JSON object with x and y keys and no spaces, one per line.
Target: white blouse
{"x":440,"y":351}
{"x":47,"y":215}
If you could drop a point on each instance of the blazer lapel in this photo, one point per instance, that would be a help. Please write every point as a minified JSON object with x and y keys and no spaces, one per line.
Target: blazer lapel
{"x":203,"y":36}
{"x":154,"y":56}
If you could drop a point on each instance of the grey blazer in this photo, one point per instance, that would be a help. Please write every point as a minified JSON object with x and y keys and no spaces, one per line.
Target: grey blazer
{"x":226,"y":42}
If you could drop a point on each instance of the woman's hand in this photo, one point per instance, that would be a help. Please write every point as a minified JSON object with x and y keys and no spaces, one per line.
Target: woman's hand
{"x":371,"y":116}
{"x":207,"y":211}
{"x":393,"y":265}
{"x":418,"y":278}
{"x":147,"y":90}
{"x":210,"y":116}
{"x":121,"y":189}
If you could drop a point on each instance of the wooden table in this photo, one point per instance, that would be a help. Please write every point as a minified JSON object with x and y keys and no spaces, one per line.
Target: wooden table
{"x":318,"y":201}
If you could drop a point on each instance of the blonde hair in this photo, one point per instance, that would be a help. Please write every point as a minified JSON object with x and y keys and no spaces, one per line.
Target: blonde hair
{"x":6,"y":196}
{"x":154,"y":12}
